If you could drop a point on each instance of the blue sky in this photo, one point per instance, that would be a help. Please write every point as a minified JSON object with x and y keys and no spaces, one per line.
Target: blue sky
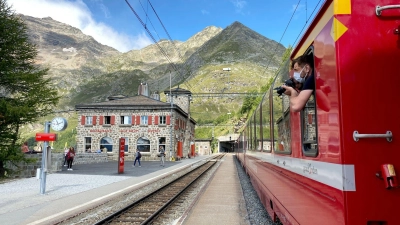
{"x":113,"y":23}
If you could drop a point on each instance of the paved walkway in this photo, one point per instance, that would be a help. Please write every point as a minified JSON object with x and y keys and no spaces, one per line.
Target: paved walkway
{"x":67,"y":192}
{"x":222,"y":202}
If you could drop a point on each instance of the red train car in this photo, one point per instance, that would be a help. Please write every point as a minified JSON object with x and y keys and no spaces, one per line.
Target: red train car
{"x":338,"y":160}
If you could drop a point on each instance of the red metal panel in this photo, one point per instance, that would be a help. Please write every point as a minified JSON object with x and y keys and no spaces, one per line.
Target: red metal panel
{"x":137,"y":120}
{"x":156,"y":118}
{"x":83,"y":120}
{"x":368,"y":76}
{"x":112,"y":120}
{"x":180,"y":149}
{"x":46,"y":137}
{"x":121,"y":155}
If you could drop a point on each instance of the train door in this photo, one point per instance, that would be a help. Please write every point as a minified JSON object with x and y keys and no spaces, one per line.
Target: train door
{"x":369,"y":78}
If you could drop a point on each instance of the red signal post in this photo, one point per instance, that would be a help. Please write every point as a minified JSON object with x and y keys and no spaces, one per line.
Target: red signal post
{"x":121,"y":160}
{"x":46,"y":137}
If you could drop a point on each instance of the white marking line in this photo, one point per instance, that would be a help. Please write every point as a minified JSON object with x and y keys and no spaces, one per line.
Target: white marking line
{"x":98,"y":199}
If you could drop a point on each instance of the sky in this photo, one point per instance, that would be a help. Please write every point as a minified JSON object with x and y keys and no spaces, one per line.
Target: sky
{"x":134,"y":24}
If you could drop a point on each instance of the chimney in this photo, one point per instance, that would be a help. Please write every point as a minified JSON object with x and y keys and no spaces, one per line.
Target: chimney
{"x":143,"y":89}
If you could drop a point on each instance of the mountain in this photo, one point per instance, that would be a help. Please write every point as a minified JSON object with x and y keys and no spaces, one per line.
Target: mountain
{"x":86,"y":71}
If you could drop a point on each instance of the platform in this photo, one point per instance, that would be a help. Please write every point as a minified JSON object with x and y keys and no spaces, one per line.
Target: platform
{"x":67,"y":192}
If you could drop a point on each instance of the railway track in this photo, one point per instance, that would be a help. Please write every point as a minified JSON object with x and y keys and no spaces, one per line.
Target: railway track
{"x":150,"y":207}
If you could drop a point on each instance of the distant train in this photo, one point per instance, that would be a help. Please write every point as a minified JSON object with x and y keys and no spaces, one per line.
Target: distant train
{"x":337,"y":161}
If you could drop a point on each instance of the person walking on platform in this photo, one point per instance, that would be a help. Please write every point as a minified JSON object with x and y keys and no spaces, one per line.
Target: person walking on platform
{"x":70,"y":157}
{"x":66,"y":150}
{"x":138,"y":155}
{"x":162,"y":155}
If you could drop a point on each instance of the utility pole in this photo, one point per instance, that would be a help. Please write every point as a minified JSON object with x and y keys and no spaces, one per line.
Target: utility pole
{"x":171,"y":123}
{"x":44,"y":160}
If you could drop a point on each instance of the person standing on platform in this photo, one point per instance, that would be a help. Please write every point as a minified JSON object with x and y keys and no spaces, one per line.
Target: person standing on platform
{"x":66,"y":150}
{"x":25,"y":148}
{"x":162,"y":155}
{"x":138,"y":155}
{"x":70,"y":157}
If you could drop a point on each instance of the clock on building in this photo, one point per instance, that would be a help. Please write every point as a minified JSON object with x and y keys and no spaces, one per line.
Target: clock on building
{"x":59,"y":124}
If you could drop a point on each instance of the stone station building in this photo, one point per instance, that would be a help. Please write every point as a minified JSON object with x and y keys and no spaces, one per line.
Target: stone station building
{"x":145,"y":123}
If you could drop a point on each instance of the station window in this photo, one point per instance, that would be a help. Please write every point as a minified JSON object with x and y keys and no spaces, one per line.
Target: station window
{"x":89,"y":120}
{"x":107,"y":120}
{"x":106,"y":142}
{"x":143,"y":120}
{"x":126,"y":120}
{"x":143,"y":144}
{"x":163,"y":120}
{"x":88,"y":143}
{"x":161,"y":143}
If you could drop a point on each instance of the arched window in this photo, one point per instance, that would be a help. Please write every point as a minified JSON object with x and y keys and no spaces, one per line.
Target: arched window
{"x":107,"y":143}
{"x":143,"y":144}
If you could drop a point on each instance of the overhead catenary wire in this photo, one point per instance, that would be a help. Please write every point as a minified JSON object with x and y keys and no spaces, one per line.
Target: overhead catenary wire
{"x":171,"y":41}
{"x":307,"y":19}
{"x":155,"y":41}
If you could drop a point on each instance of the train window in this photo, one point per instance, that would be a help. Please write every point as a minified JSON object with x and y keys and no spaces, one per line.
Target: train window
{"x":308,"y":115}
{"x":266,"y":123}
{"x":281,"y":113}
{"x":257,"y":129}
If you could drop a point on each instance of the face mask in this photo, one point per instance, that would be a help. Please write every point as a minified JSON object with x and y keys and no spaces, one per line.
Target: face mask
{"x":297,"y":77}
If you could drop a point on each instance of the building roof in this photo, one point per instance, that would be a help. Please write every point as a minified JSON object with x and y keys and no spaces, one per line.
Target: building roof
{"x":139,"y":102}
{"x":133,"y":102}
{"x":178,"y":91}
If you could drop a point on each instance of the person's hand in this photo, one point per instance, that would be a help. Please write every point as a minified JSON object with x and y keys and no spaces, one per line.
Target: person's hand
{"x":288,"y":90}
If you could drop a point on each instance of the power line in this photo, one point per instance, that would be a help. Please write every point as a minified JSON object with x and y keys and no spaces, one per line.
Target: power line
{"x":155,"y":41}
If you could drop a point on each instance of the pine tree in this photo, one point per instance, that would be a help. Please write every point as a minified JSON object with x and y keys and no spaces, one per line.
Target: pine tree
{"x":25,"y":93}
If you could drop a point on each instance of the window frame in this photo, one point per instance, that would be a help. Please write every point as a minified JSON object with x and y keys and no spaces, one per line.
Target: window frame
{"x":144,"y":120}
{"x":107,"y":120}
{"x":85,"y":143}
{"x":125,"y":120}
{"x":162,"y":120}
{"x":87,"y":119}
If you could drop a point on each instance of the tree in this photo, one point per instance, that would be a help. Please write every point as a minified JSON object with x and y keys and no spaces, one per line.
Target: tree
{"x":25,"y":93}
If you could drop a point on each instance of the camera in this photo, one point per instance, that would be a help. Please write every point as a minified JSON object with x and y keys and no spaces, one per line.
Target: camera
{"x":281,"y":90}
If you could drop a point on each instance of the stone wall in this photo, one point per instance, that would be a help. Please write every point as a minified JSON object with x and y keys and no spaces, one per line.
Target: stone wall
{"x":27,"y":170}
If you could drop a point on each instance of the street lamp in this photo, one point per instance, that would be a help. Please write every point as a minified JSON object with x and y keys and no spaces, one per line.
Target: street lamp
{"x":229,"y":118}
{"x":228,"y":69}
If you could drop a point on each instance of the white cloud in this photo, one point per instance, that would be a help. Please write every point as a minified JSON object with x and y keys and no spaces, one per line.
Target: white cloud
{"x":77,"y":14}
{"x":239,"y":5}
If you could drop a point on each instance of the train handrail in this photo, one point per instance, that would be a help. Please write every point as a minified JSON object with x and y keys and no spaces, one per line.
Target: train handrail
{"x":379,"y":9}
{"x":388,"y":136}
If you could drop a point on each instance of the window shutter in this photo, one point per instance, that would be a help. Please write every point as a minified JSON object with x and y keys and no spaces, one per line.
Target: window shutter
{"x":155,"y":120}
{"x":138,"y":120}
{"x":112,"y":120}
{"x":168,"y":120}
{"x":83,"y":120}
{"x":176,"y":124}
{"x":149,"y":120}
{"x":133,"y":120}
{"x":94,"y":120}
{"x":101,"y":120}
